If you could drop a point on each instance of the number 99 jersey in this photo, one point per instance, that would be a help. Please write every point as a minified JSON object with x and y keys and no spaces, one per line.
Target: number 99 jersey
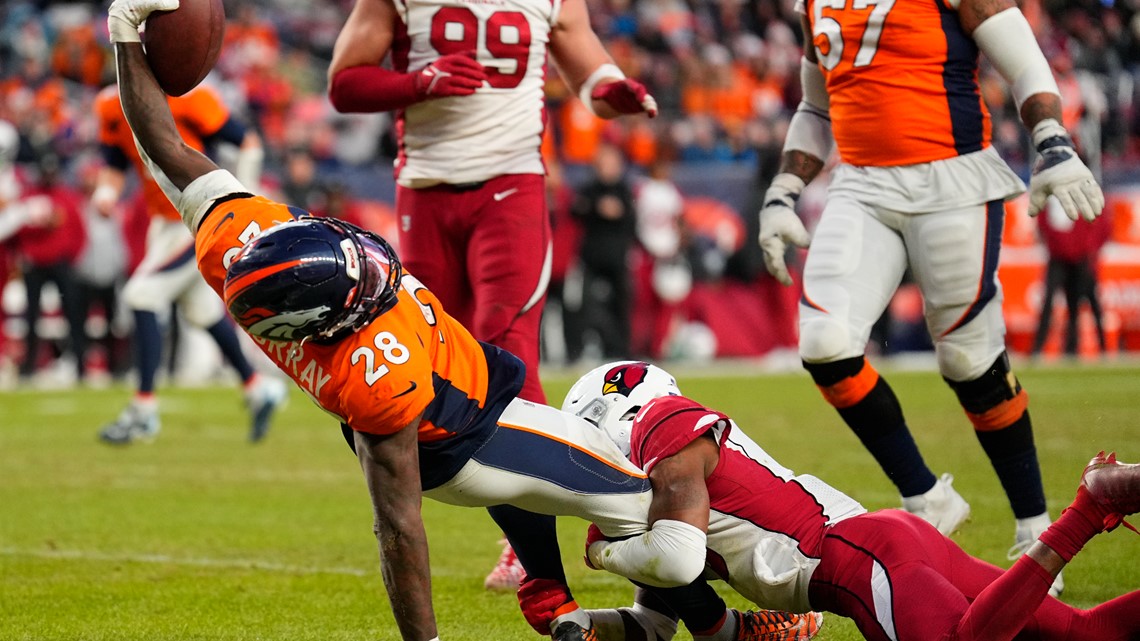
{"x":498,"y":129}
{"x":411,"y":359}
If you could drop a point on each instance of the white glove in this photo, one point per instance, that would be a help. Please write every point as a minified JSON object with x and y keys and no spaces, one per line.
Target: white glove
{"x":779,"y":224}
{"x":1059,"y":172}
{"x":124,"y":17}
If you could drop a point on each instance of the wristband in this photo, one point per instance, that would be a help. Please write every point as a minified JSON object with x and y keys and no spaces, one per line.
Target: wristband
{"x":608,"y":70}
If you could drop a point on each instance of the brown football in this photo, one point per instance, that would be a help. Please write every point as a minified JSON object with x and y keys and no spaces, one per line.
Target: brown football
{"x":183,"y":45}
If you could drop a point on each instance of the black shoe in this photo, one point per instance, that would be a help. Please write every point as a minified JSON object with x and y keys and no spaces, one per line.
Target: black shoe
{"x":570,"y":631}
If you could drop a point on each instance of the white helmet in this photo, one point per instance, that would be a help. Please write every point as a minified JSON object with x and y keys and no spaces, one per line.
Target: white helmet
{"x":610,"y":396}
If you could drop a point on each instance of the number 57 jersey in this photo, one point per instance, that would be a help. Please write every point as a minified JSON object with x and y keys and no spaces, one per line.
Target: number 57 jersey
{"x":411,"y":359}
{"x":498,"y":129}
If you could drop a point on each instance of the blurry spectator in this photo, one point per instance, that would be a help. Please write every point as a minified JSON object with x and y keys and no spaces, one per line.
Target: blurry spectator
{"x":605,"y":207}
{"x":46,"y":248}
{"x":78,"y":56}
{"x":663,"y":275}
{"x":562,"y":334}
{"x":1073,"y":248}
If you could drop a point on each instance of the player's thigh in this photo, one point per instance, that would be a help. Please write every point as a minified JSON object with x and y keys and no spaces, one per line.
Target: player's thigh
{"x":854,"y":266}
{"x":199,"y":304}
{"x":954,"y":259}
{"x":166,"y":270}
{"x":550,"y":462}
{"x":509,"y":253}
{"x":432,"y":247}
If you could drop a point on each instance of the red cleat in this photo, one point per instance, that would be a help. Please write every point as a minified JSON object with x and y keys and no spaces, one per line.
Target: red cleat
{"x":1115,"y":486}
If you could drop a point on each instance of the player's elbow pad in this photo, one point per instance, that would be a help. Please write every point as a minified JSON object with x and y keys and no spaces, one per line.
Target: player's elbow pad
{"x":810,"y":128}
{"x":670,"y":554}
{"x":1008,"y":41}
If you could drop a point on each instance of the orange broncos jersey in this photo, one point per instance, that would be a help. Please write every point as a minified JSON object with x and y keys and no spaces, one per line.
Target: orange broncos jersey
{"x":413,"y":358}
{"x":902,"y":77}
{"x":198,"y":114}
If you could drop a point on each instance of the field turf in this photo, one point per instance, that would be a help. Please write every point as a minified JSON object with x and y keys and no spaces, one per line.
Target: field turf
{"x":201,"y":535}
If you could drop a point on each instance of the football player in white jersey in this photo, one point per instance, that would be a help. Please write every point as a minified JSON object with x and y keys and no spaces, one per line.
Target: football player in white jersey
{"x":466,"y":81}
{"x":893,"y":86}
{"x":722,"y":505}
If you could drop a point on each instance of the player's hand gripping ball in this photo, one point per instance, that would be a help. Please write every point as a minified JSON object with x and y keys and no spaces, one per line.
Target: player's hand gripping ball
{"x":182,"y":39}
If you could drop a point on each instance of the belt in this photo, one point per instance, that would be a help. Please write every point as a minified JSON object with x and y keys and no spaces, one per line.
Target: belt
{"x":460,"y":187}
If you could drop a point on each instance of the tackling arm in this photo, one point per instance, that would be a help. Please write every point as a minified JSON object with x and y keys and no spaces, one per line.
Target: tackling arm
{"x":672,"y":552}
{"x":392,"y":472}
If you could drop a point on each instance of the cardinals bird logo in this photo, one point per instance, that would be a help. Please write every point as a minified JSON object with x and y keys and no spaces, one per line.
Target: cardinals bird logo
{"x":623,"y":378}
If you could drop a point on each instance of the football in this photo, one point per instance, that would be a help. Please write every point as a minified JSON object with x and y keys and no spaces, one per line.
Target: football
{"x":183,"y":45}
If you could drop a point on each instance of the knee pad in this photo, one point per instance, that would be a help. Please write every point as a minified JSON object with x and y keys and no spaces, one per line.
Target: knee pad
{"x":993,"y":400}
{"x":823,"y":340}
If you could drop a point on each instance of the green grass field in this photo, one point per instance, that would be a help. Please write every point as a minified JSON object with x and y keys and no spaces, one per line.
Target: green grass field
{"x":201,"y":535}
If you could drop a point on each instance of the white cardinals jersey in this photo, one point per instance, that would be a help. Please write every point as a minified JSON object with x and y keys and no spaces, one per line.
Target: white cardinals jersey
{"x":498,"y":129}
{"x":766,"y":523}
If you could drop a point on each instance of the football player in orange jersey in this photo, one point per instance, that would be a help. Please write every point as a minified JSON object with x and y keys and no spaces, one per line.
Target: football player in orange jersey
{"x":893,"y":85}
{"x":466,"y":84}
{"x":166,"y":275}
{"x":428,"y":410}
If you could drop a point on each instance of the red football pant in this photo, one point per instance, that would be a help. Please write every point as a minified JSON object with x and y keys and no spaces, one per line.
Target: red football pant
{"x":898,"y":578}
{"x":485,"y":252}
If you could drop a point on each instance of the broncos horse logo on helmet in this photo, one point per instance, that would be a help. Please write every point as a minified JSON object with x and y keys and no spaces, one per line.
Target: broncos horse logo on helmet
{"x":311,"y":277}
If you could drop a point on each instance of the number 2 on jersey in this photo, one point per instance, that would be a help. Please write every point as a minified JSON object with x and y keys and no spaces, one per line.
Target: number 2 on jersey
{"x":827,"y":32}
{"x":389,"y":348}
{"x":505,"y":35}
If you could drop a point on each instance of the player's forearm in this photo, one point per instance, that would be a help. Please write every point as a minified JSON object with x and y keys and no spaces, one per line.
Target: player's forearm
{"x":391,"y":470}
{"x":148,"y":114}
{"x":800,"y":164}
{"x":1038,"y":107}
{"x":372,"y":88}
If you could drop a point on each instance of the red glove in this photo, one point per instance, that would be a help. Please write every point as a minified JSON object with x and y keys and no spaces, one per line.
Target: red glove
{"x":456,"y":74}
{"x":542,"y":600}
{"x":626,"y":96}
{"x":593,"y":535}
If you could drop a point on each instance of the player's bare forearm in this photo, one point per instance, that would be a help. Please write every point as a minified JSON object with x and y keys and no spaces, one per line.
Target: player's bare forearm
{"x":1040,"y":106}
{"x":148,"y":114}
{"x":679,"y":489}
{"x":391,"y":470}
{"x":366,"y":36}
{"x":800,"y":164}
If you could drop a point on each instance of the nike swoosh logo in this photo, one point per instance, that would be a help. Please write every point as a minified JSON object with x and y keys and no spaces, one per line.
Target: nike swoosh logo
{"x":504,"y":194}
{"x":221,"y":222}
{"x":407,"y":391}
{"x":706,"y":420}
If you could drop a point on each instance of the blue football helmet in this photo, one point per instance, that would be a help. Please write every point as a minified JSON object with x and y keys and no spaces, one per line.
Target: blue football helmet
{"x":313,"y":277}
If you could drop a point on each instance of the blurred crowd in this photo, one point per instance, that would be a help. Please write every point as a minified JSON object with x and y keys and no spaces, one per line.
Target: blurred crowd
{"x":724,"y":73}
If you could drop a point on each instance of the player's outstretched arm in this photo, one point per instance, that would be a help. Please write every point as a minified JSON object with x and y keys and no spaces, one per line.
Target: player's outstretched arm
{"x":807,"y":146}
{"x":392,"y":473}
{"x":144,"y":103}
{"x":590,"y":72}
{"x":672,"y":552}
{"x":1004,"y":35}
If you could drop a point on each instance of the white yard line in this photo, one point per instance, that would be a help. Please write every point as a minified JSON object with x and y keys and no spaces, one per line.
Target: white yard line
{"x":162,"y":559}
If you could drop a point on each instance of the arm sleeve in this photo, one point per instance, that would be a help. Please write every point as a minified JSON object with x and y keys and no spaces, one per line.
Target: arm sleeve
{"x":670,"y":554}
{"x":369,"y":89}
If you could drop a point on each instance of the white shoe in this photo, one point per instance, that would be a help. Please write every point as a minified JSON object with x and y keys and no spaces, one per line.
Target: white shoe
{"x":940,"y":506}
{"x":266,"y":396}
{"x":133,"y":424}
{"x":1026,"y":535}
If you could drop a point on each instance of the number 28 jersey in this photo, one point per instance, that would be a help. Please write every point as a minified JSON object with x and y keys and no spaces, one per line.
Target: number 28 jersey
{"x":498,"y":129}
{"x":412,"y":359}
{"x":902,"y":77}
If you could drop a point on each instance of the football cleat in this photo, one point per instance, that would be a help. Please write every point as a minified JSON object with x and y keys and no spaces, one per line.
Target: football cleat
{"x":941,"y":506}
{"x":262,"y":399}
{"x":133,"y":424}
{"x":1115,"y":486}
{"x":1028,"y":530}
{"x":571,"y":631}
{"x":773,"y":625}
{"x":508,"y":571}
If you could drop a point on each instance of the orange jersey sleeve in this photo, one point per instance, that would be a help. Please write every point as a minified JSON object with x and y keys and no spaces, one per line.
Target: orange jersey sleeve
{"x":198,"y":115}
{"x":902,"y":76}
{"x":413,"y":359}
